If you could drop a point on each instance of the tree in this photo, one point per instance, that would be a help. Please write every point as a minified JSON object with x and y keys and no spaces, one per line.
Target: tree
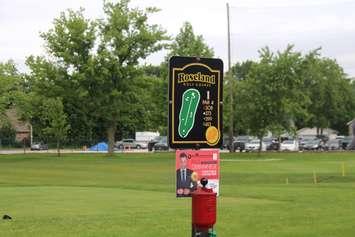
{"x":67,"y":72}
{"x":240,"y":72}
{"x":255,"y":102}
{"x":152,"y":94}
{"x":11,"y":94}
{"x":125,"y":38}
{"x":94,"y":67}
{"x":332,"y":102}
{"x":271,"y":97}
{"x":186,"y":43}
{"x":56,"y":120}
{"x":7,"y":134}
{"x":10,"y":85}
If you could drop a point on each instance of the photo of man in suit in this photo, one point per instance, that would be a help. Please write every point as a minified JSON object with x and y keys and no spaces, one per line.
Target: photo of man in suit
{"x":184,"y":184}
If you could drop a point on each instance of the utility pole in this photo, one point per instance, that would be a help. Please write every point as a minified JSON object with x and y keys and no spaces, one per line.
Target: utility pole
{"x":230,"y":81}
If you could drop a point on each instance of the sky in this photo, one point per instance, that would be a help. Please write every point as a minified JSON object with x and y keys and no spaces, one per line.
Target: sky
{"x":307,"y":24}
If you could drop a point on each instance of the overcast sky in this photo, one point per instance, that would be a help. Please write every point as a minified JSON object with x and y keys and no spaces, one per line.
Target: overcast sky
{"x":308,"y":24}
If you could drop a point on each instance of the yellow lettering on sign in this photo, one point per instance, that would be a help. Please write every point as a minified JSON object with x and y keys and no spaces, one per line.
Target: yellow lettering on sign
{"x":199,"y":77}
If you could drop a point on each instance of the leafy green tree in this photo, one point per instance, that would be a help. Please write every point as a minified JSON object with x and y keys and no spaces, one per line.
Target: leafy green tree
{"x":286,"y":90}
{"x":152,"y":91}
{"x":271,"y":97}
{"x":332,"y":101}
{"x":69,"y":45}
{"x":7,"y":134}
{"x":67,"y":72}
{"x":240,"y":72}
{"x":186,"y":43}
{"x":11,"y":96}
{"x":94,"y":66}
{"x":125,"y":38}
{"x":56,"y":121}
{"x":10,"y":85}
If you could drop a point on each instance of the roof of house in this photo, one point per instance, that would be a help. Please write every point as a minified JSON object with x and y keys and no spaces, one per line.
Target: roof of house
{"x":314,"y":131}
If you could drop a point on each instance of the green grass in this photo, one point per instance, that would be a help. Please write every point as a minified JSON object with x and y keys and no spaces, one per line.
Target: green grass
{"x":133,"y":195}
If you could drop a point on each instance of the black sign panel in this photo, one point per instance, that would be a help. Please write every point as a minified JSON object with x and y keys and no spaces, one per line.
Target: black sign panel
{"x":195,"y":102}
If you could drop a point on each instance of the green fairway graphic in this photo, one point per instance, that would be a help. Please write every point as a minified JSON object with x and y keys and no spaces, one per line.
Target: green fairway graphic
{"x":189,"y":104}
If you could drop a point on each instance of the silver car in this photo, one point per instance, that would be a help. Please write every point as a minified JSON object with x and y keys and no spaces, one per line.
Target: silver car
{"x":39,"y":146}
{"x":130,"y":144}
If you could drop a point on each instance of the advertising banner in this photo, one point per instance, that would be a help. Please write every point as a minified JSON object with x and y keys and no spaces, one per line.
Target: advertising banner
{"x":191,"y":166}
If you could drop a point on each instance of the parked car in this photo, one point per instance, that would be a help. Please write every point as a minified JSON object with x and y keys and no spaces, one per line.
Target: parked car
{"x":271,"y":143}
{"x":39,"y":146}
{"x":289,"y":145}
{"x":141,"y":145}
{"x":313,"y":145}
{"x":302,"y":142}
{"x":268,"y":141}
{"x":154,"y":141}
{"x":225,"y":144}
{"x":323,"y":138}
{"x":240,"y":143}
{"x":254,"y":145}
{"x":309,"y":143}
{"x":130,"y":143}
{"x":340,"y":137}
{"x":162,"y":145}
{"x":345,"y":142}
{"x":332,"y":145}
{"x":274,"y":146}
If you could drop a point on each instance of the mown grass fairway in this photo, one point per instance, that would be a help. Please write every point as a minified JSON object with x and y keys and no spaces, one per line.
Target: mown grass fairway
{"x":133,"y":195}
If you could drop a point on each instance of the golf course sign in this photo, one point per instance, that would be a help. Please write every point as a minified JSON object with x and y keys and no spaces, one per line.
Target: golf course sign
{"x":195,"y":102}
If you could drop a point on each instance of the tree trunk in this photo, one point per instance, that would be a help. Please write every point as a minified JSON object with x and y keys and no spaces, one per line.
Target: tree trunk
{"x":260,"y":143}
{"x":58,"y":148}
{"x":279,"y":143}
{"x":24,"y":145}
{"x":111,"y":131}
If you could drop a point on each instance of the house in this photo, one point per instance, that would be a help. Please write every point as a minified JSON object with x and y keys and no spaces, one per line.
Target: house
{"x":350,"y":126}
{"x":312,"y":132}
{"x":22,"y":128}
